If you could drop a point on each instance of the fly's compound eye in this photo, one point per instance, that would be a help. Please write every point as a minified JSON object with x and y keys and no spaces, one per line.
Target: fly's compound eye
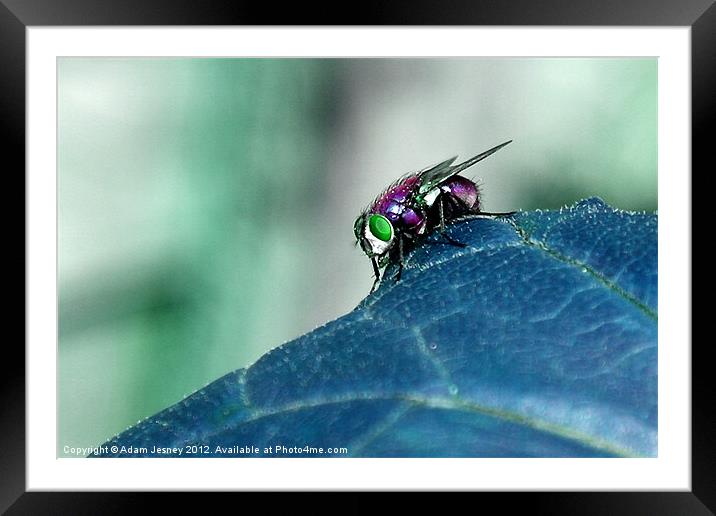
{"x":380,"y":227}
{"x":378,"y":235}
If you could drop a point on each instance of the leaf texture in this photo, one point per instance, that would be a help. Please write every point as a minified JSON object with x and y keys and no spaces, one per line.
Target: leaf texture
{"x":539,"y":339}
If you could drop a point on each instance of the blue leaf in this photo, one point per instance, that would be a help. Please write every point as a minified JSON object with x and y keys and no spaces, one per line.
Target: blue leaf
{"x":539,"y":339}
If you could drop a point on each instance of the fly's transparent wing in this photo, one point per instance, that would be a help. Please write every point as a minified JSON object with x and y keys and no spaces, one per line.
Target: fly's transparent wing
{"x":432,"y":177}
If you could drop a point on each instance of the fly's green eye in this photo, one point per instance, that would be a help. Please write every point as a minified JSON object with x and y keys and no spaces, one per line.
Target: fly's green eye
{"x":380,"y":227}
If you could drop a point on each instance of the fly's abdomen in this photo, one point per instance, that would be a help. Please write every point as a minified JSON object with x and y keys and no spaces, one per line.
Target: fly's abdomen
{"x":464,"y":191}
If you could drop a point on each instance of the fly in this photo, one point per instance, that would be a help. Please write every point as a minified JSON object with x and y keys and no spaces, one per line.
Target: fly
{"x":415,"y":205}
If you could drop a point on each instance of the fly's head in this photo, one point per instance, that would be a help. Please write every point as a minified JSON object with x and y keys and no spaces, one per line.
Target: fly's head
{"x":374,"y":233}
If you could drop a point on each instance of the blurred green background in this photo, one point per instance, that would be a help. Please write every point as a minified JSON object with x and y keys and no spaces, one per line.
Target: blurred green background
{"x":206,"y":206}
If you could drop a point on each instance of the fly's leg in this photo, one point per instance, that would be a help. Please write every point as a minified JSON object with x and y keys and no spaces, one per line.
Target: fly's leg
{"x":400,"y":259}
{"x":487,"y":215}
{"x":496,"y":214}
{"x":376,"y":272}
{"x":442,"y":226}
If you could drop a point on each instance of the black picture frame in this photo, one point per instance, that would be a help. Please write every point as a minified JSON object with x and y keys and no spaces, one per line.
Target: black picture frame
{"x":17,"y":15}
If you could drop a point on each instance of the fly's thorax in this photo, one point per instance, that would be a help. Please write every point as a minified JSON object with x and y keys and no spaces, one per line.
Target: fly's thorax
{"x":405,"y":215}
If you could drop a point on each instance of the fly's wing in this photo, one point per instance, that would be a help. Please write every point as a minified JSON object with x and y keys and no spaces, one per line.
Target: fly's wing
{"x":432,"y":177}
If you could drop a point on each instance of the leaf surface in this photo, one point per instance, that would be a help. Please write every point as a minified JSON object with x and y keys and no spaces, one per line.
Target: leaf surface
{"x":539,"y":339}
